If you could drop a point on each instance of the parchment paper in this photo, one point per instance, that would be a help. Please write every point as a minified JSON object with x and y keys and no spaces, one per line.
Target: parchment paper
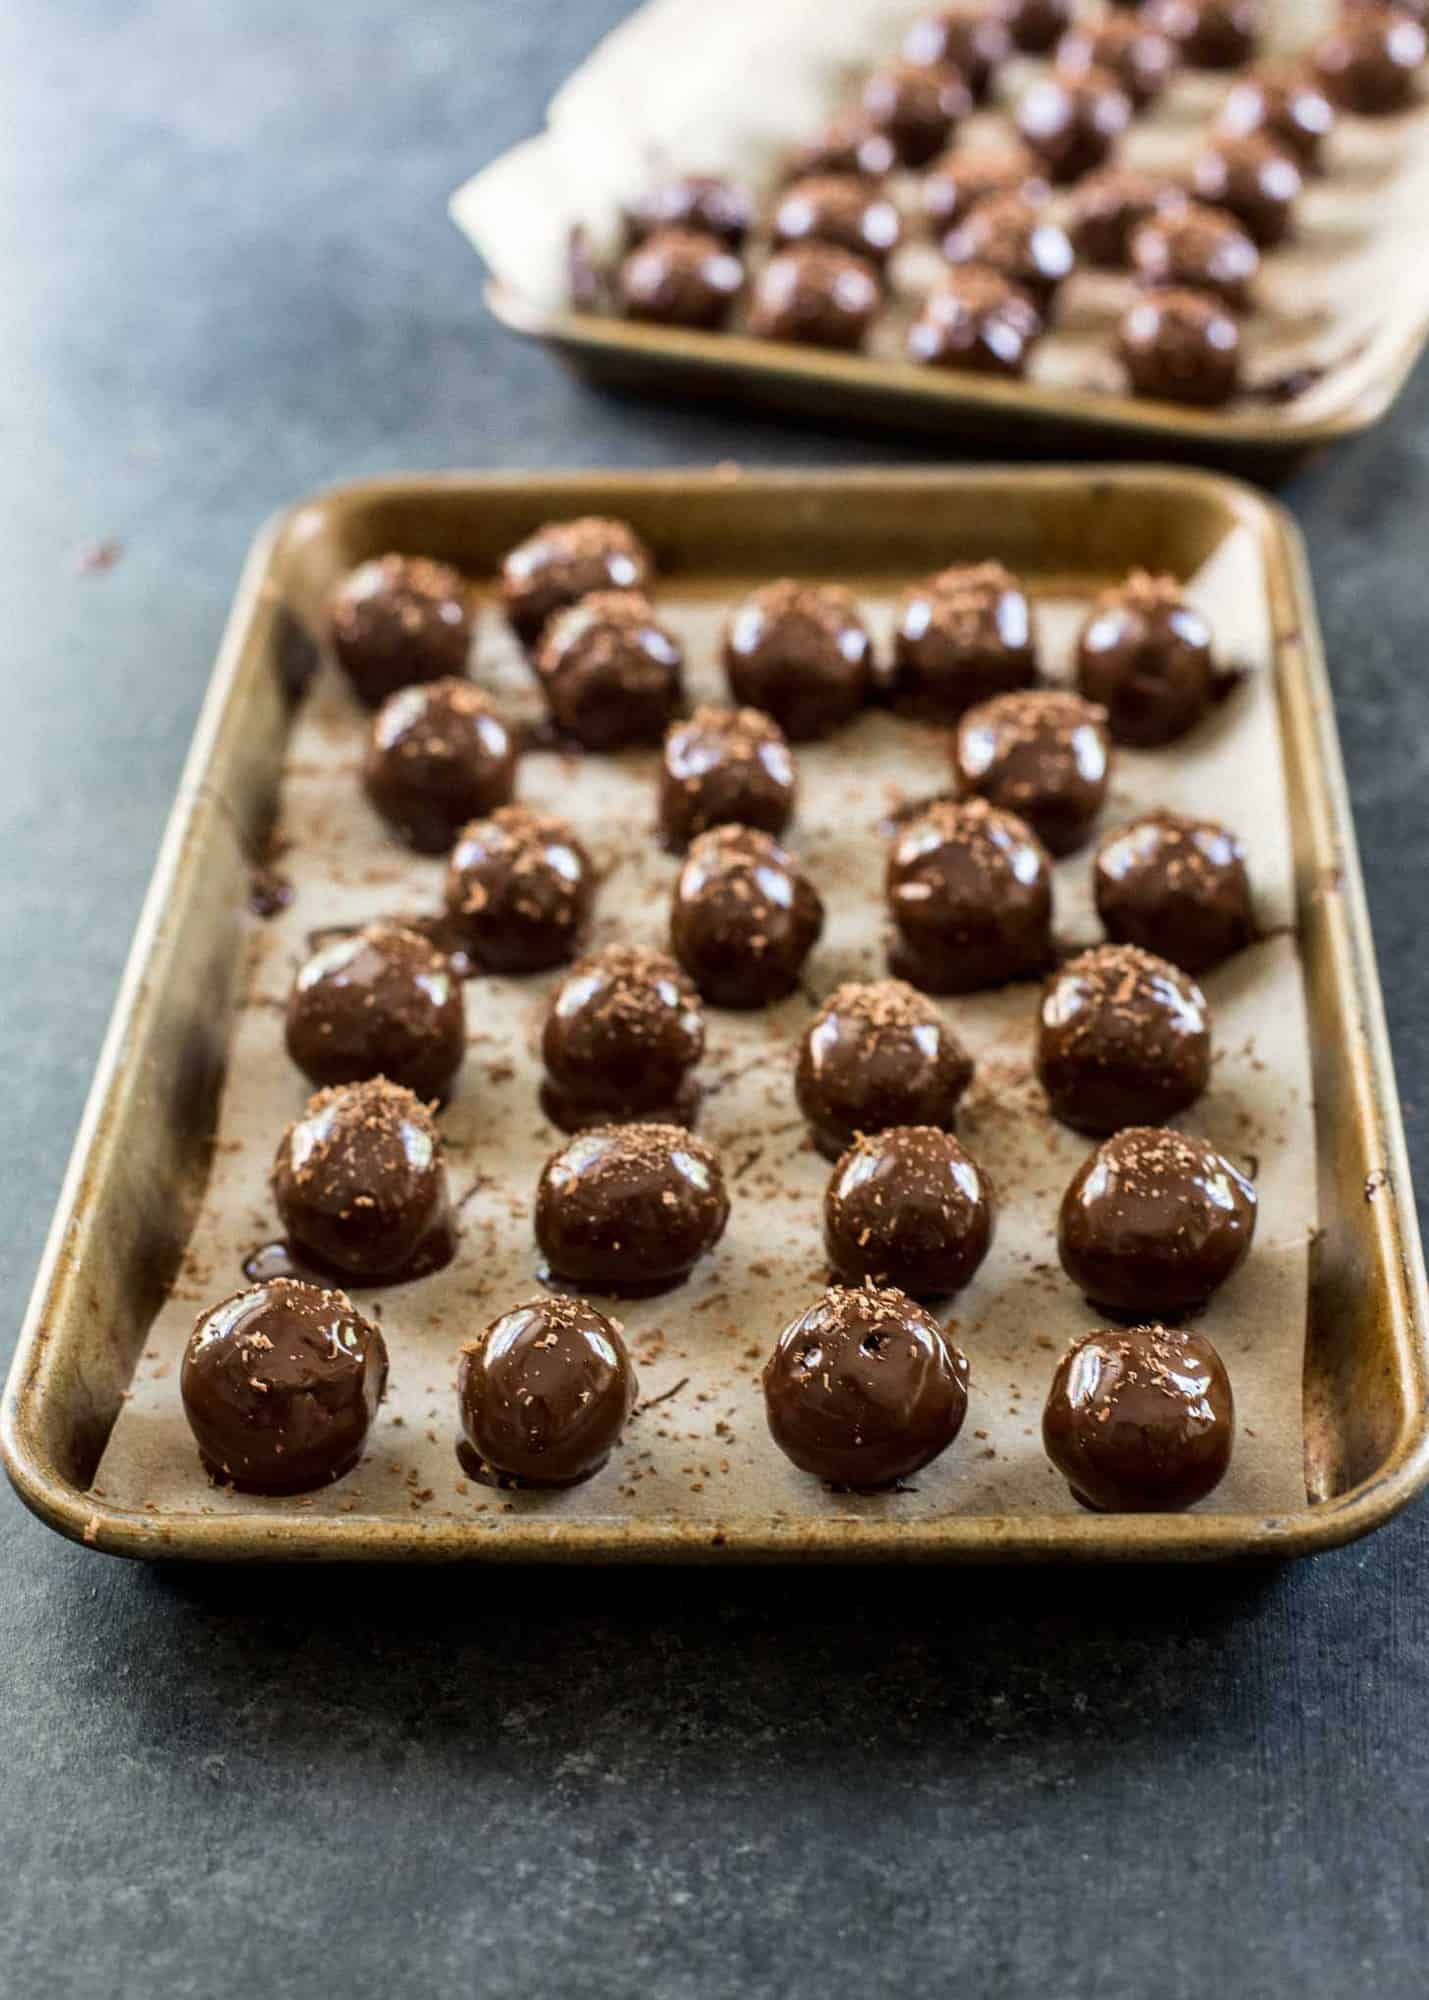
{"x":705,"y":1452}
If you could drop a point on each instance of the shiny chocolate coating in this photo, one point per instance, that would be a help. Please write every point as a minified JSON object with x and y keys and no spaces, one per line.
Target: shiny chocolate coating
{"x":705,"y":203}
{"x":1043,"y":754}
{"x":611,"y":673}
{"x":680,"y":277}
{"x":1210,"y":34}
{"x":1177,"y":887}
{"x":1073,"y":122}
{"x":878,"y":1054}
{"x":546,"y":1391}
{"x":850,"y":145}
{"x":1182,"y":346}
{"x":380,"y":1002}
{"x":1145,"y":655}
{"x":1202,"y":249}
{"x":280,"y":1384}
{"x":1123,"y":1038}
{"x":1016,"y":237}
{"x":723,"y":766}
{"x":864,"y":1388}
{"x":1369,"y":60}
{"x":629,"y":1209}
{"x":360,"y":1184}
{"x":958,"y":180}
{"x":977,"y":320}
{"x":622,"y":1033}
{"x":1034,"y":25}
{"x":970,"y":39}
{"x":1154,"y":1222}
{"x":908,"y":1207}
{"x":1124,"y":46}
{"x":1281,"y":102}
{"x":519,"y":890}
{"x":564,"y":561}
{"x":744,"y":917}
{"x":437,"y":755}
{"x":846,"y":210}
{"x":816,"y":295}
{"x":960,"y":637}
{"x":1108,"y":207}
{"x":918,"y":105}
{"x":1254,"y":180}
{"x":801,"y":653}
{"x":970,"y":892}
{"x":400,"y":619}
{"x":1140,"y":1421}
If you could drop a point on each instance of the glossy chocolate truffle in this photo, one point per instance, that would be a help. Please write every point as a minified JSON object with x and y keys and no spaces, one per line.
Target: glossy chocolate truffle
{"x":1107,"y":208}
{"x":1154,"y":1222}
{"x":519,"y":890}
{"x":397,"y":620}
{"x":970,"y":892}
{"x":846,"y":210}
{"x":801,"y":653}
{"x":864,"y":1388}
{"x":958,"y":180}
{"x":970,"y":39}
{"x":1017,"y":238}
{"x":1177,"y":887}
{"x":623,"y":1031}
{"x":1369,"y":60}
{"x":629,"y":1209}
{"x":918,"y":105}
{"x":1043,"y":754}
{"x":978,"y":320}
{"x":360,"y":1184}
{"x":1072,"y":122}
{"x":1255,"y":180}
{"x":611,"y":673}
{"x":1145,"y":655}
{"x":1124,"y":46}
{"x":1281,"y":102}
{"x":1204,"y":249}
{"x":817,"y":295}
{"x":850,"y":145}
{"x":960,"y":637}
{"x":744,"y":917}
{"x":1140,"y":1421}
{"x":546,"y":1391}
{"x":280,"y":1384}
{"x":380,"y":1002}
{"x":680,"y":277}
{"x":1123,"y":1038}
{"x":1182,"y":346}
{"x":705,"y":203}
{"x":908,"y":1207}
{"x":1210,"y":34}
{"x":725,"y":766}
{"x":1034,"y":25}
{"x":438,"y":755}
{"x":878,"y":1054}
{"x":565,"y":561}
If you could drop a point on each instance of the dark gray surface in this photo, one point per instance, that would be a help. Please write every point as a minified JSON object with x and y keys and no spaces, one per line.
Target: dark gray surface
{"x":227,"y":277}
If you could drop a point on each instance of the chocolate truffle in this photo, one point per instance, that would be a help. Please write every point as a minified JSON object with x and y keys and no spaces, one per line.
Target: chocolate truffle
{"x":1203,"y":249}
{"x":1044,"y":755}
{"x":970,"y":891}
{"x":1210,"y":34}
{"x":704,"y":203}
{"x":1141,"y":59}
{"x":961,"y":637}
{"x":817,"y":295}
{"x":1145,"y":655}
{"x":1123,"y":1038}
{"x":680,"y":277}
{"x":875,"y":1055}
{"x":519,"y":890}
{"x":744,"y":917}
{"x":1154,"y":1222}
{"x":381,"y":1002}
{"x":360,"y":1184}
{"x":969,"y":39}
{"x":1284,"y":104}
{"x":1177,"y":887}
{"x":1254,"y":180}
{"x":1034,"y":25}
{"x":1072,"y":122}
{"x":908,"y":1207}
{"x":864,"y":1388}
{"x":1369,"y":59}
{"x":622,"y":1033}
{"x":629,"y":1209}
{"x":917,"y":105}
{"x":546,"y":1391}
{"x":397,"y":620}
{"x":1016,"y":237}
{"x":437,"y":756}
{"x":1181,"y":345}
{"x":801,"y":652}
{"x":611,"y":673}
{"x":565,"y":561}
{"x":850,"y":145}
{"x":1140,"y":1422}
{"x":1107,"y":208}
{"x":725,"y":765}
{"x":846,"y":210}
{"x":976,"y":320}
{"x":958,"y":180}
{"x":280,"y":1384}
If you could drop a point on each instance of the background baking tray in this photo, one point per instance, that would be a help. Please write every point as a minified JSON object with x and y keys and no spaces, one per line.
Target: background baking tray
{"x":141,"y":1162}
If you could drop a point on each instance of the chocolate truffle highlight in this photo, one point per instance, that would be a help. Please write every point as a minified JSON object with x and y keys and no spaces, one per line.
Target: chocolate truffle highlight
{"x":1182,"y":346}
{"x":817,"y":295}
{"x":961,"y":637}
{"x":1107,"y":208}
{"x":1204,"y":249}
{"x":566,"y":560}
{"x":969,"y":39}
{"x":680,"y":277}
{"x":1177,"y":887}
{"x":846,"y":210}
{"x":722,"y":766}
{"x":1017,"y":238}
{"x":1140,"y":1421}
{"x":705,"y":203}
{"x":1210,"y":34}
{"x":1283,"y":103}
{"x":878,"y":1054}
{"x":1254,"y":180}
{"x":801,"y":652}
{"x":970,"y":892}
{"x":629,"y":1210}
{"x":918,"y":105}
{"x":1125,"y":47}
{"x":1043,"y":754}
{"x":519,"y":890}
{"x":958,"y":180}
{"x":437,"y":756}
{"x":382,"y":1002}
{"x":1073,"y":121}
{"x":546,"y":1391}
{"x":744,"y":917}
{"x":908,"y":1207}
{"x":622,"y":1034}
{"x":1123,"y":1038}
{"x":611,"y":673}
{"x":1369,"y":60}
{"x":1145,"y":655}
{"x":977,"y":320}
{"x":850,"y":145}
{"x":400,"y":619}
